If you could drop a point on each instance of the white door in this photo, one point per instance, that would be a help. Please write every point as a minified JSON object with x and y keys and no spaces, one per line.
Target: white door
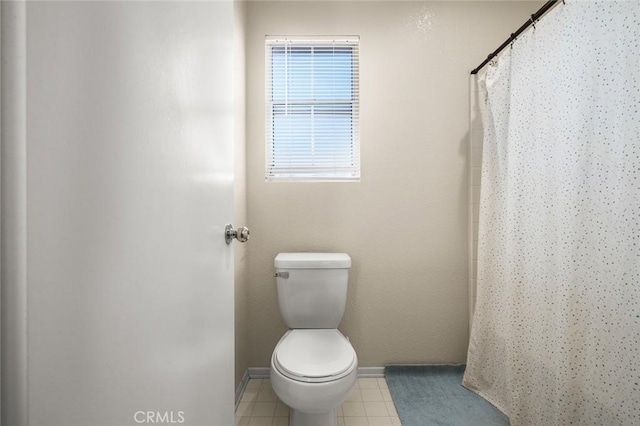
{"x":129,"y":186}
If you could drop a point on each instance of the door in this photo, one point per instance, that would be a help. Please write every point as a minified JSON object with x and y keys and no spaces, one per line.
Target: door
{"x":129,"y":186}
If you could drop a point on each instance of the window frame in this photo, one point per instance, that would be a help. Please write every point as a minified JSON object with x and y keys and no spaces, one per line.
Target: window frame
{"x":274,"y":170}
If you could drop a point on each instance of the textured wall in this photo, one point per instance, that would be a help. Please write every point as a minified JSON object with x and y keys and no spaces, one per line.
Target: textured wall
{"x":405,"y":223}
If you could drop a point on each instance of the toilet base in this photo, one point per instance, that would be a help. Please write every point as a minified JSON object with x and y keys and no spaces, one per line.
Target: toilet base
{"x":299,"y":418}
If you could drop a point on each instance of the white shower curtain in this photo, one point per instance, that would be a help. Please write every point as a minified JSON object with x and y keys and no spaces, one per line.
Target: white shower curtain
{"x":556,"y":332}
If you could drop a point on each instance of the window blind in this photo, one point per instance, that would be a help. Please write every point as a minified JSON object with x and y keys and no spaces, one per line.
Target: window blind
{"x":312,"y":109}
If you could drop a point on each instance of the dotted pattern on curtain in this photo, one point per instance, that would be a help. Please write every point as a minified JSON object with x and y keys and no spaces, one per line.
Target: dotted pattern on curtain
{"x":556,"y":331}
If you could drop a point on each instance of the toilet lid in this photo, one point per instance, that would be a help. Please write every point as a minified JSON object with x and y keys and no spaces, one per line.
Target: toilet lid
{"x":314,"y":354}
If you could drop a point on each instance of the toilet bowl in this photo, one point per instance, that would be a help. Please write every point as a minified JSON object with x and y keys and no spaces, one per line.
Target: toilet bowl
{"x":313,"y":366}
{"x":313,"y":371}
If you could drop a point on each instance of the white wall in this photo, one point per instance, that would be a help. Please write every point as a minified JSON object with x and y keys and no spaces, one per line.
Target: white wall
{"x":405,"y":223}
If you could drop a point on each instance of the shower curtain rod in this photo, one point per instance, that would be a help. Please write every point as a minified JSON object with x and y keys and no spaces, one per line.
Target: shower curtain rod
{"x":532,"y":21}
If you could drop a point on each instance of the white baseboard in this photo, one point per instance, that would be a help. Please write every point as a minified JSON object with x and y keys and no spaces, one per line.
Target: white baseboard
{"x":370,"y":372}
{"x":259,"y":372}
{"x":264,"y":373}
{"x":241,"y":387}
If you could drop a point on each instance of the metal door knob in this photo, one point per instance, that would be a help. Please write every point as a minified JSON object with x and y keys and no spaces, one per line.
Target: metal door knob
{"x":241,"y":234}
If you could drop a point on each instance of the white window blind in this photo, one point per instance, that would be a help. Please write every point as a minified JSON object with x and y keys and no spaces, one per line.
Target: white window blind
{"x":312,"y":109}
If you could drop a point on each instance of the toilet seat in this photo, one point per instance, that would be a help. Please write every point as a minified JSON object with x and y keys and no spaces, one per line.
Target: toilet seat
{"x":314,"y":355}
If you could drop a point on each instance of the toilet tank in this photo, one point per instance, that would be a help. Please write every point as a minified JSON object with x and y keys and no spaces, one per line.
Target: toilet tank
{"x":312,"y":288}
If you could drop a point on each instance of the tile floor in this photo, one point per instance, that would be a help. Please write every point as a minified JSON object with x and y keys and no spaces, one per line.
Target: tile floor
{"x":369,"y":404}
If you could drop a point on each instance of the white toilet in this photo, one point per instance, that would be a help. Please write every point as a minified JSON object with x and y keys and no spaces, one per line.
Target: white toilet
{"x":313,"y":366}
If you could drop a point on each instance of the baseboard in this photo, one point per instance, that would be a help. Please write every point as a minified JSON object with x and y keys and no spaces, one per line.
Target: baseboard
{"x":370,"y":372}
{"x":259,"y":372}
{"x":427,"y":365}
{"x":263,"y":372}
{"x":241,"y":387}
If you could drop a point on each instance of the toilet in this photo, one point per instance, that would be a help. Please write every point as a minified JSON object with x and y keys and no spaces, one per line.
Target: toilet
{"x":313,"y":366}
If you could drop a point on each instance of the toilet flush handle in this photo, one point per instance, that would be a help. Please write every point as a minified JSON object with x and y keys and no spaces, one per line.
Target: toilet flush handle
{"x":281,"y":274}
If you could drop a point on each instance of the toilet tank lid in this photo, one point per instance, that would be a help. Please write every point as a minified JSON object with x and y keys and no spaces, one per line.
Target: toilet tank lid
{"x":312,"y":261}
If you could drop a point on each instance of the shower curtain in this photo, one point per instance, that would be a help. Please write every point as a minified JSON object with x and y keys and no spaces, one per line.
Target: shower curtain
{"x":556,"y":332}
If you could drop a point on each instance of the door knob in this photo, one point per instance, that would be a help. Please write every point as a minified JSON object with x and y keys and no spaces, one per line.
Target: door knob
{"x":241,"y":234}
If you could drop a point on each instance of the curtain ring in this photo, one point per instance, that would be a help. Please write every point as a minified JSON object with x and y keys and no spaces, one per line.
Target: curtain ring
{"x":533,"y":21}
{"x":512,"y":39}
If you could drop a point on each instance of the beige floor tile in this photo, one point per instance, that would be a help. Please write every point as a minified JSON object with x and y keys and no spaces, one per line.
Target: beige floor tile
{"x":371,"y":395}
{"x":354,"y":395}
{"x":353,"y":409}
{"x":376,"y":409}
{"x":242,"y":421}
{"x":244,"y":409}
{"x":280,"y":421}
{"x":260,"y":421}
{"x":266,"y":395}
{"x":391,"y":408}
{"x":282,"y":410}
{"x":368,"y":404}
{"x":355,"y":421}
{"x":254,"y":384}
{"x":382,"y":383}
{"x":379,"y":421}
{"x":266,"y":383}
{"x":249,"y":396}
{"x":368,"y":383}
{"x":263,"y":409}
{"x":386,"y":395}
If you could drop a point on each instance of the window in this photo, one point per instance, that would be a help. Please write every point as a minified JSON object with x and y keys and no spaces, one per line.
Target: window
{"x":312,"y":109}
